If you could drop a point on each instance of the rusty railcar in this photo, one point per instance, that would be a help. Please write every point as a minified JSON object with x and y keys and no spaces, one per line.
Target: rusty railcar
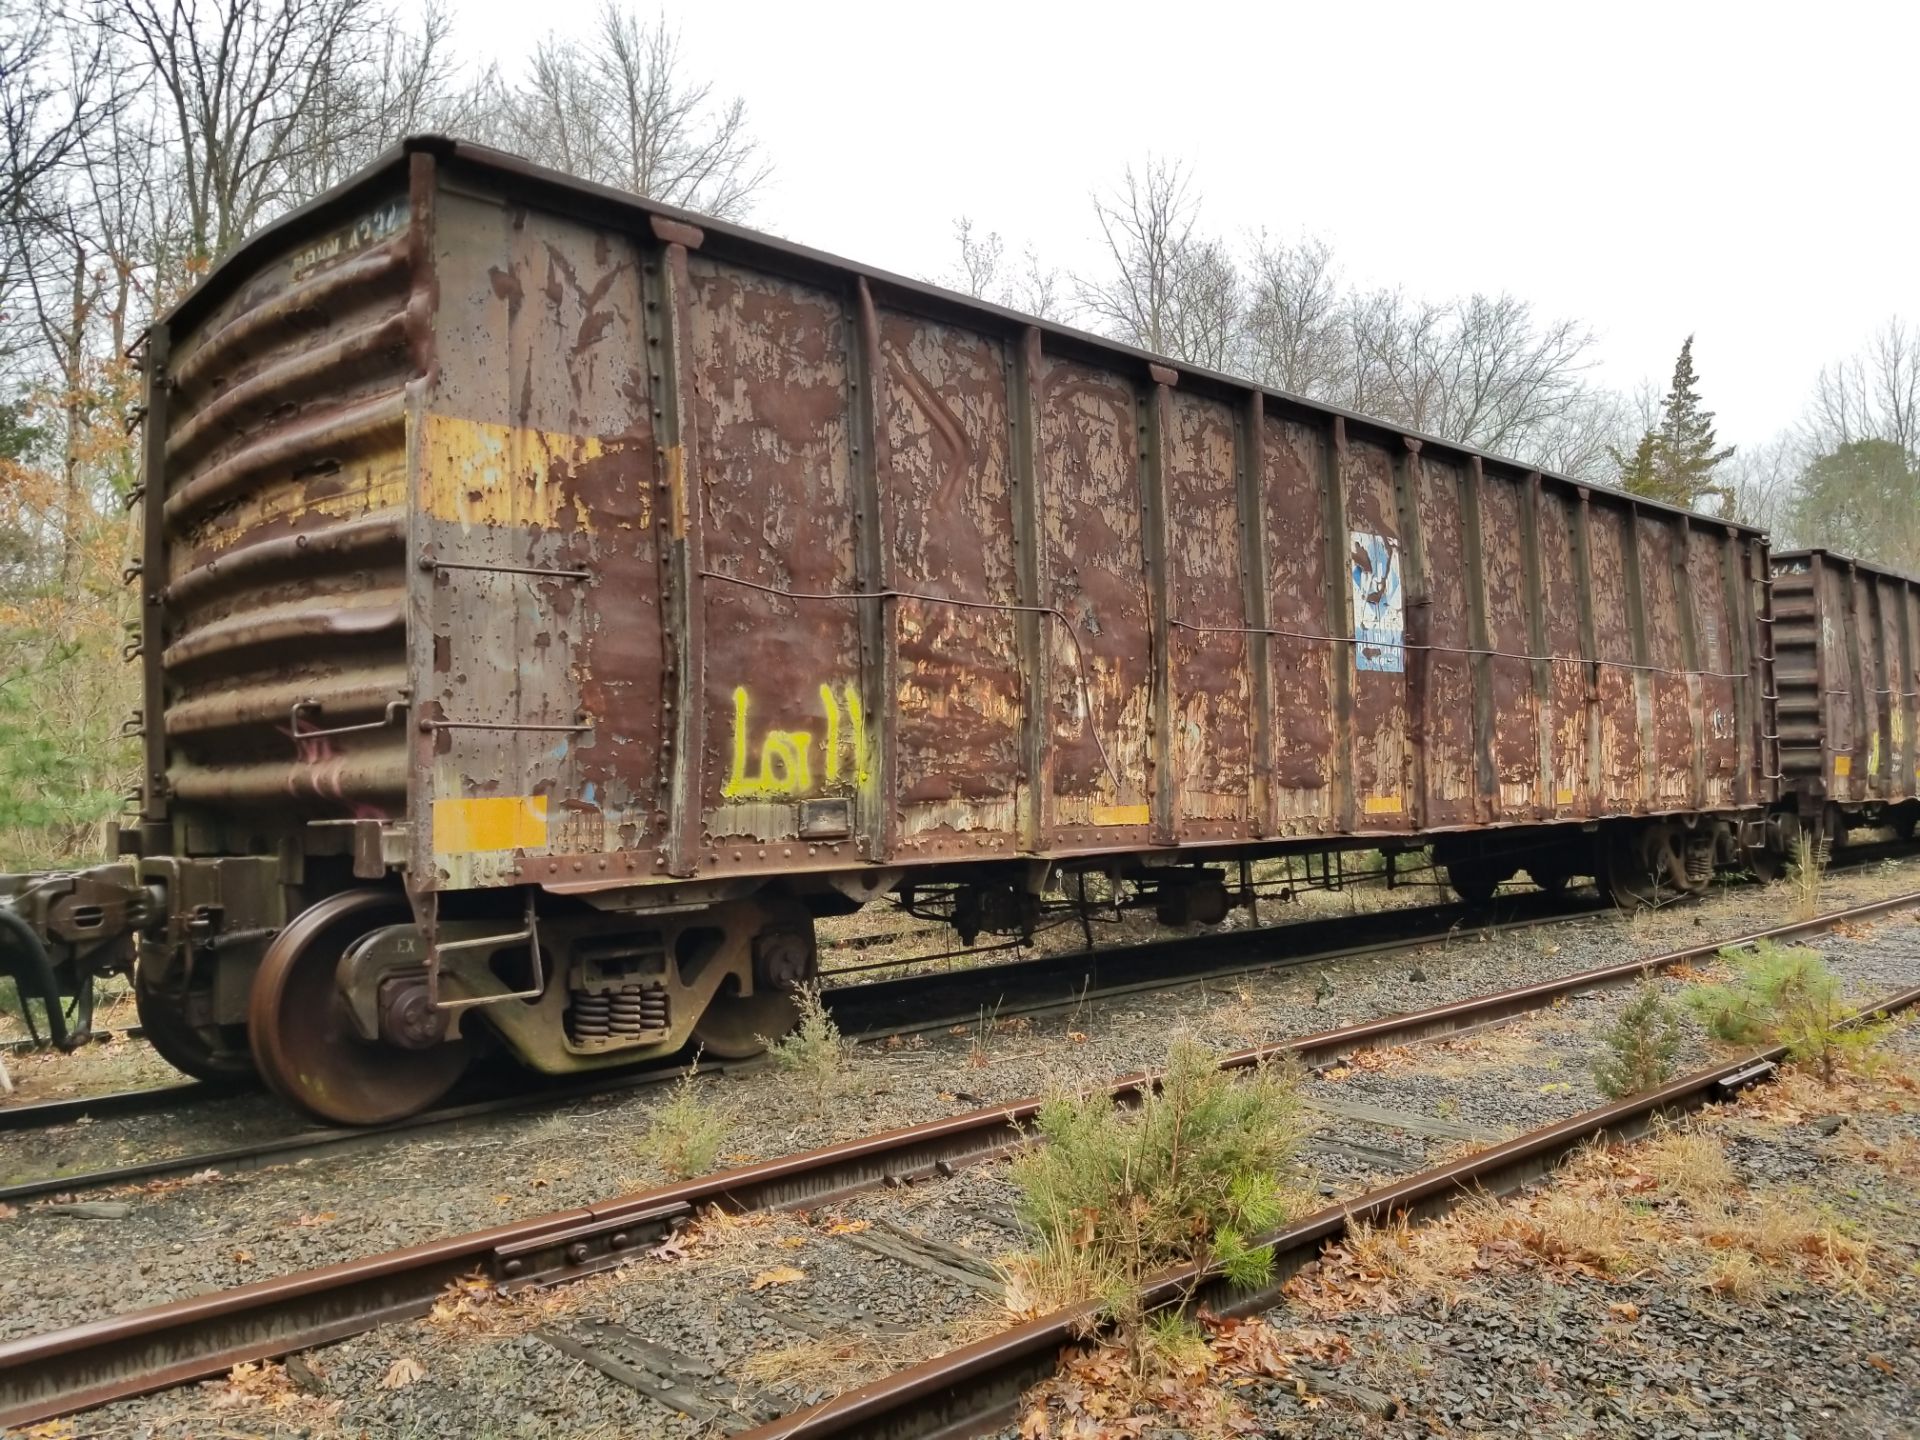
{"x":1847,"y":672}
{"x":554,"y":601}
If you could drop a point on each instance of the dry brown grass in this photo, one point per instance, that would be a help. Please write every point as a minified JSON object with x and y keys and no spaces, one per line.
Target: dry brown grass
{"x":1737,"y":1275}
{"x":1688,"y":1163}
{"x":1432,"y":1259}
{"x":831,"y":1362}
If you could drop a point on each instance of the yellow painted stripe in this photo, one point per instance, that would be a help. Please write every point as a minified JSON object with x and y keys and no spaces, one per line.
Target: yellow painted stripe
{"x":489,"y":822}
{"x":1381,"y":804}
{"x":505,"y":475}
{"x":1122,"y":815}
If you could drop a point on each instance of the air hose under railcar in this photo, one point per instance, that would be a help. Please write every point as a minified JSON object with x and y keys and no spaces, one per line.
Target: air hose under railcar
{"x":24,"y":957}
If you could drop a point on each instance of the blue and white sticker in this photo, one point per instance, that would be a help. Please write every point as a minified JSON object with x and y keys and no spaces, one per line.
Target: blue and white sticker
{"x":1379,"y":614}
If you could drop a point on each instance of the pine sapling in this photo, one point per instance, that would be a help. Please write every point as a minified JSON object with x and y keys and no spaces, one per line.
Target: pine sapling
{"x":1641,"y":1046}
{"x":1192,"y":1174}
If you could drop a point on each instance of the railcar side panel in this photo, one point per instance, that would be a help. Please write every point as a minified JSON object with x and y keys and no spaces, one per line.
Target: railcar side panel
{"x":1302,"y":652}
{"x":1839,"y":664}
{"x":1210,"y":684}
{"x":1573,"y":717}
{"x":1094,"y":560}
{"x":1455,"y":715}
{"x":1876,"y":643}
{"x":787,"y":718}
{"x":1715,"y":698}
{"x":1516,"y":738}
{"x":1623,"y":787}
{"x":950,"y":535}
{"x":1667,"y":674}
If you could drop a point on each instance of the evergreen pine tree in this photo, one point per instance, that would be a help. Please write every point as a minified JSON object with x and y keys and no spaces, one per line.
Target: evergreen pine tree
{"x":1638,"y":471}
{"x":1686,"y":444}
{"x":1675,"y":462}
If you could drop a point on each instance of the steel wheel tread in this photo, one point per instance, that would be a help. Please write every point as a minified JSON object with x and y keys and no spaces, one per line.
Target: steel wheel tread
{"x":304,"y":1041}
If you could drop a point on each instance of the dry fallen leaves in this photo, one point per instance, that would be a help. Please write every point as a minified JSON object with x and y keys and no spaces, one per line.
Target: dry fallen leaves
{"x":778,"y":1275}
{"x":402,"y":1373}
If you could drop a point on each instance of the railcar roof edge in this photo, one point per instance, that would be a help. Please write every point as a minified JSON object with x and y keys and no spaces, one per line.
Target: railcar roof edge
{"x":1804,"y":552}
{"x":467,"y":155}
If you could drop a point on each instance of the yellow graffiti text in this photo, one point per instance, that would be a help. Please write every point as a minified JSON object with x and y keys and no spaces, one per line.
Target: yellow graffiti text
{"x":785,"y":766}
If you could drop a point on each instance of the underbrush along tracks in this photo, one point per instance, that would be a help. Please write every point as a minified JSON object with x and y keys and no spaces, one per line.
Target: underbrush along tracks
{"x":978,"y":1387}
{"x":72,"y":1369}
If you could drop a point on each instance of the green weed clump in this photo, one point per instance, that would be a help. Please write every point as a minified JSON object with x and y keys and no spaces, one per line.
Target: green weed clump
{"x":1641,"y":1046}
{"x":1785,"y":995}
{"x":813,"y":1052}
{"x":1112,"y":1196}
{"x":687,"y":1130}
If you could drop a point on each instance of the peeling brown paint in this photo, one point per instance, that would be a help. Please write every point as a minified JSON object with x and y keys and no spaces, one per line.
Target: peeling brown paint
{"x":980,"y":587}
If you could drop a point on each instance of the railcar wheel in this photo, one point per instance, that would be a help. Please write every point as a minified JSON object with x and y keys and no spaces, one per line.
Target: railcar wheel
{"x":1647,"y":864}
{"x":303,"y":1036}
{"x":1474,"y":885}
{"x":206,"y":1052}
{"x":1549,"y":879}
{"x":738,"y":1027}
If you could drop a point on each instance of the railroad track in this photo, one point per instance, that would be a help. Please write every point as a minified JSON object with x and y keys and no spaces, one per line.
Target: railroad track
{"x":68,"y":1370}
{"x":869,"y":1010}
{"x":977,"y":1388}
{"x":863,"y":1010}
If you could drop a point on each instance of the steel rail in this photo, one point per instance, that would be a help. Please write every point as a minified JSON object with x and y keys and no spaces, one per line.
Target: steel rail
{"x":897,"y":1005}
{"x":62,"y":1371}
{"x":977,"y":1388}
{"x":863,"y":1012}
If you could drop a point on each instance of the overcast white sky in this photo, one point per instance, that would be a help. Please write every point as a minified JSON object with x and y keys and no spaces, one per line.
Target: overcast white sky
{"x":1746,"y":172}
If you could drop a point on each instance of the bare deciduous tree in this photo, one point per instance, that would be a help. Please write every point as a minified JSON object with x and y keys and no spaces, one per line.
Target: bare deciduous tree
{"x":1165,"y":288}
{"x":403,"y":83}
{"x":1761,"y":481}
{"x":1294,"y":333}
{"x":1874,"y":395}
{"x":620,"y":109}
{"x":238,"y":78}
{"x":978,"y":273}
{"x":982,"y":272}
{"x":55,"y":86}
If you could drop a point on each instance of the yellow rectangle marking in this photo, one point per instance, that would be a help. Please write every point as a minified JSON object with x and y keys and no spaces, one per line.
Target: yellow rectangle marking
{"x":489,"y":822}
{"x":475,"y":473}
{"x":1381,"y":804}
{"x":1843,"y":764}
{"x":1122,"y":815}
{"x":1563,"y":796}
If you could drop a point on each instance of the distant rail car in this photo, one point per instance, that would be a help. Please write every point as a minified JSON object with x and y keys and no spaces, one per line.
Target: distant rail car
{"x":1847,"y":669}
{"x":553,"y":602}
